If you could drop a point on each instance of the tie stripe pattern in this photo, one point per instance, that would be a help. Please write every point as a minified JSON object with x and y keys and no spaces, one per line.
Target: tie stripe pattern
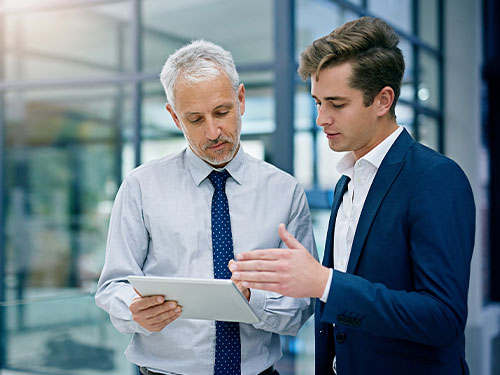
{"x":227,"y":341}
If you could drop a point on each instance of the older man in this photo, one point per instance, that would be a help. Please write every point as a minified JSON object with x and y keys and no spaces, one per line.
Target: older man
{"x":162,"y":225}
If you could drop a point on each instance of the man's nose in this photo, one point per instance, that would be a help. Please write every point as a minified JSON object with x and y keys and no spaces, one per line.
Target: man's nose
{"x":213,"y":129}
{"x":323,"y":117}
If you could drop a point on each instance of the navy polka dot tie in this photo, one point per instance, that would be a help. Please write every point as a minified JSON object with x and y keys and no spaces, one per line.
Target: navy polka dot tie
{"x":227,"y":341}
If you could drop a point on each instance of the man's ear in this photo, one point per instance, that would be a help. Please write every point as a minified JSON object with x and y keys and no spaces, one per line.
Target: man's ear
{"x":384,"y":99}
{"x":170,"y":109}
{"x":241,"y":98}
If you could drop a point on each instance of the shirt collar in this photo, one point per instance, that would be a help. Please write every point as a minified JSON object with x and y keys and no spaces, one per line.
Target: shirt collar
{"x":374,"y":157}
{"x":200,"y":169}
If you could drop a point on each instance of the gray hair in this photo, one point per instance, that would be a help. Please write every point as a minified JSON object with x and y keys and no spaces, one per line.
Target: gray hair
{"x":196,"y":62}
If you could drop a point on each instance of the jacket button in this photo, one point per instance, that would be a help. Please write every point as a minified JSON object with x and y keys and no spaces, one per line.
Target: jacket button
{"x":340,"y":337}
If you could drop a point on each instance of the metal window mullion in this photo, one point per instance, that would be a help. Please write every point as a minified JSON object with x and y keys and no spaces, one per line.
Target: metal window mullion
{"x":137,"y":85}
{"x":282,"y":151}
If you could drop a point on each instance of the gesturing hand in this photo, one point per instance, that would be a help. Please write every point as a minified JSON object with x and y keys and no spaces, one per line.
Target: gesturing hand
{"x":154,"y":313}
{"x":292,"y":272}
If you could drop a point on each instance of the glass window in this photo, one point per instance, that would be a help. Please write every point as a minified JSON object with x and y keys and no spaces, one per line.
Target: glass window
{"x":305,"y":109}
{"x":408,"y":86}
{"x":259,"y":111}
{"x":166,"y":28}
{"x":56,"y":44}
{"x":428,"y":22}
{"x":303,"y":159}
{"x":63,"y":169}
{"x":428,"y":89}
{"x":395,"y":12}
{"x":327,"y":163}
{"x":404,"y":117}
{"x":156,"y":120}
{"x":66,"y":335}
{"x":428,"y":131}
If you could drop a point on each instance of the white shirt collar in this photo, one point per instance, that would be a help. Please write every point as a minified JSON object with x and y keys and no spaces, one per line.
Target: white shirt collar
{"x":374,"y":157}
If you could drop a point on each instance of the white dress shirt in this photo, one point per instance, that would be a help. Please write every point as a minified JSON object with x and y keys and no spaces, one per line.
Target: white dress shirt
{"x":361,"y":173}
{"x":161,"y":226}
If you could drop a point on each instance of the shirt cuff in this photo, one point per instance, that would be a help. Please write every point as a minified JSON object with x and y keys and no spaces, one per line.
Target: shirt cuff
{"x":324,"y":297}
{"x":257,"y":300}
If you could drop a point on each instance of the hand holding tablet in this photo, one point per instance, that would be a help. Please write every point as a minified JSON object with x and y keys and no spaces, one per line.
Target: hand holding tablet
{"x":208,"y":299}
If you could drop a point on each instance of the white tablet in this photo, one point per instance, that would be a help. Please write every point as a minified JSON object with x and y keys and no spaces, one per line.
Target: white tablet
{"x":209,"y":299}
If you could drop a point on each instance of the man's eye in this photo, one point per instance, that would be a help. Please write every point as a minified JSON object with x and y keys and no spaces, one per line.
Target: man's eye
{"x":338,"y":105}
{"x":222,"y":113}
{"x":195,"y":120}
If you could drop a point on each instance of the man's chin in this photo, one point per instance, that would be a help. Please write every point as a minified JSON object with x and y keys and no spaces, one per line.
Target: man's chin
{"x":219,"y":160}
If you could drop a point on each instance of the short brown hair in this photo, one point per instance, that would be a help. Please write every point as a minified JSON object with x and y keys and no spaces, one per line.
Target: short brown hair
{"x":371,"y":46}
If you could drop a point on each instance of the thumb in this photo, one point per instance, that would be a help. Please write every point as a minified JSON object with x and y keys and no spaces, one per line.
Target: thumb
{"x":288,"y":238}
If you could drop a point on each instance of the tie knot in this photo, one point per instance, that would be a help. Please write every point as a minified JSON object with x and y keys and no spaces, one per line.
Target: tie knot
{"x":218,"y":179}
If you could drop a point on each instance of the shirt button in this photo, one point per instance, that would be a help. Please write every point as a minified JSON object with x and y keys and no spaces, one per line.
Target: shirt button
{"x":340,"y":337}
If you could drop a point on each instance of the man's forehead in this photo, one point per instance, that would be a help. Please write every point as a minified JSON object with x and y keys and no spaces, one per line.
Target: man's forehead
{"x":332,"y":81}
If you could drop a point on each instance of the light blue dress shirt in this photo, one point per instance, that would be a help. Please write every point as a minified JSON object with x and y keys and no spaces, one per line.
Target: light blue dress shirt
{"x":161,"y":226}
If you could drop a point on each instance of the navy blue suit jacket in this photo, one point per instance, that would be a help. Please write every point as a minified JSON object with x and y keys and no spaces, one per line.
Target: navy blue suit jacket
{"x":401,"y":307}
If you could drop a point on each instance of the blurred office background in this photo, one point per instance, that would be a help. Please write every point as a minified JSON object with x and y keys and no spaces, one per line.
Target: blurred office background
{"x":81,"y":106}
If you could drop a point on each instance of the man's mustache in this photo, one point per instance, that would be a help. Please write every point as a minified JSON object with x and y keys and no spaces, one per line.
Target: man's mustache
{"x":218,"y":140}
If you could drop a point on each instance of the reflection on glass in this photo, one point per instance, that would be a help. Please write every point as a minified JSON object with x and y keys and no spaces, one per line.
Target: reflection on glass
{"x":166,"y":28}
{"x":57,"y":44}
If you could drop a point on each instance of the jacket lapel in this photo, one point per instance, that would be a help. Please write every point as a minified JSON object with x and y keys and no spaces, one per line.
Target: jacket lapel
{"x":387,"y":173}
{"x":340,"y":189}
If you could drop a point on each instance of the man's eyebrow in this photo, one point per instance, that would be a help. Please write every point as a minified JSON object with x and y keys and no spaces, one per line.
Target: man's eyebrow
{"x":333,"y":98}
{"x":224,"y":105}
{"x":191,"y":113}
